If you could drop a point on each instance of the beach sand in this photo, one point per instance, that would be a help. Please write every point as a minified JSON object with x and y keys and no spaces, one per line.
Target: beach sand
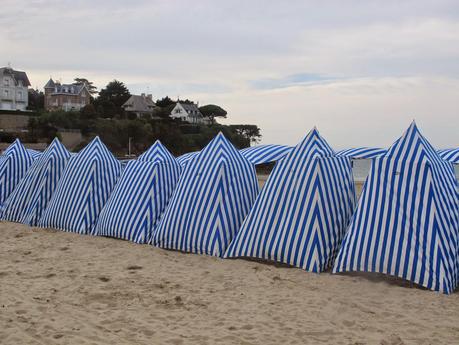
{"x":64,"y":288}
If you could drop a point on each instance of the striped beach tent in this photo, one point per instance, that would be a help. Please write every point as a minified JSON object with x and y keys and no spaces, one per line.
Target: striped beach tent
{"x":212,"y":198}
{"x":303,"y":210}
{"x":31,"y":196}
{"x":185,"y":158}
{"x":83,"y":190}
{"x":450,"y":155}
{"x":407,"y":220}
{"x":140,"y":196}
{"x":14,"y":163}
{"x":34,"y":153}
{"x":262,"y":154}
{"x":361,"y":152}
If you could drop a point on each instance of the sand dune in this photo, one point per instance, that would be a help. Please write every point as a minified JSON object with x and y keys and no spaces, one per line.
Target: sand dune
{"x":63,"y":288}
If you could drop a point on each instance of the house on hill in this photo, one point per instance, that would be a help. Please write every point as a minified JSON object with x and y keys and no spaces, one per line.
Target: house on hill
{"x":13,"y":89}
{"x":140,"y":105}
{"x":65,"y":97}
{"x":188,"y":112}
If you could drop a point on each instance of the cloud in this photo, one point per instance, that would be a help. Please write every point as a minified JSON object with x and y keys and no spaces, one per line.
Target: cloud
{"x":347,"y":67}
{"x":303,"y":79}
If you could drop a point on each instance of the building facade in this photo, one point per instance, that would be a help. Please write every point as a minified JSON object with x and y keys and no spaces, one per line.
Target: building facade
{"x":140,"y":105}
{"x":188,"y":113}
{"x":13,"y":89}
{"x":66,"y":97}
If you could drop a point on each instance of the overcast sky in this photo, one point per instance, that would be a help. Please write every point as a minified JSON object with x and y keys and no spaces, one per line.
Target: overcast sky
{"x":360,"y":71}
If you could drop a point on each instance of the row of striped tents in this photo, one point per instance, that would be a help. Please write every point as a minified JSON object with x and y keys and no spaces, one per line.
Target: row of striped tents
{"x":30,"y":198}
{"x":140,"y":197}
{"x":14,"y":163}
{"x":83,"y":190}
{"x":262,"y":154}
{"x":362,"y":152}
{"x":213,"y":196}
{"x":303,"y":210}
{"x":407,"y":220}
{"x":450,"y":155}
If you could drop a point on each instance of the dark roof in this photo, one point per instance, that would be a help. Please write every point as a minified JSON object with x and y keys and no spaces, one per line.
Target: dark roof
{"x":50,"y":84}
{"x":17,"y":75}
{"x":68,"y":89}
{"x":192,"y":109}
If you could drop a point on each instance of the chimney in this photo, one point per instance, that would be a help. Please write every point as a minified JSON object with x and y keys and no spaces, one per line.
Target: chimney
{"x":150,"y":96}
{"x":143,"y":95}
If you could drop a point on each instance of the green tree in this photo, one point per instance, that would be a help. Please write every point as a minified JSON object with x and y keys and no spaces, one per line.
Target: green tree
{"x":212,"y":111}
{"x":36,"y":100}
{"x":249,"y":132}
{"x":89,"y":84}
{"x":112,"y":98}
{"x":165,"y":102}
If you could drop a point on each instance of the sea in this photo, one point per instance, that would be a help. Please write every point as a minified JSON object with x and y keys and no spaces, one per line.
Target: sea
{"x":361,"y":168}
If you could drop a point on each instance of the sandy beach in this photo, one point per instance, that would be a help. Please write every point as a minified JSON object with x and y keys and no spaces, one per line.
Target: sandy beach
{"x":64,"y":288}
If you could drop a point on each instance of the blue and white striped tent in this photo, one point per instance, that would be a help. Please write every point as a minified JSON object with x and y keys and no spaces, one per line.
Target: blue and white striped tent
{"x":303,"y":210}
{"x":31,"y":196}
{"x":362,"y":152}
{"x":34,"y":153}
{"x":140,"y":197}
{"x":83,"y":190}
{"x":14,"y":163}
{"x":213,"y":196}
{"x":262,"y":154}
{"x":407,"y":220}
{"x":185,"y":158}
{"x":450,"y":155}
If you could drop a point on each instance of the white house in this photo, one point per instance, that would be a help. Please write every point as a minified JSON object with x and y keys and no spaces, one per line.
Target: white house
{"x":13,"y":89}
{"x":188,"y":113}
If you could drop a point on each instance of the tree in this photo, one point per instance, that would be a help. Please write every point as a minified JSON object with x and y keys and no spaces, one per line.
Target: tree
{"x":89,"y":84}
{"x":249,"y":132}
{"x":112,"y":98}
{"x":88,"y":112}
{"x":212,"y":111}
{"x":165,"y":102}
{"x":36,"y":100}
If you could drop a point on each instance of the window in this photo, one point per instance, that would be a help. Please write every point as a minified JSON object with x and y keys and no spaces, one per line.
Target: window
{"x":6,"y":94}
{"x":20,"y":95}
{"x":7,"y":81}
{"x":178,"y":111}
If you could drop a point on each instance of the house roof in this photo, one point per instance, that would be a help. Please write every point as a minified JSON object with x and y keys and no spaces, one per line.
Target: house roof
{"x":68,"y":89}
{"x":192,"y":109}
{"x":50,"y":84}
{"x":138,"y":103}
{"x":17,"y":75}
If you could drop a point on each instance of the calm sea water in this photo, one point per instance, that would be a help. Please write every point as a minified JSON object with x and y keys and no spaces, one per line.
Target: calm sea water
{"x":361,"y":167}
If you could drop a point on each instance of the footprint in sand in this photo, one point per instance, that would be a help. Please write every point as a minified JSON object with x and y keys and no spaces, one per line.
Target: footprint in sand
{"x":104,"y":279}
{"x":134,"y":268}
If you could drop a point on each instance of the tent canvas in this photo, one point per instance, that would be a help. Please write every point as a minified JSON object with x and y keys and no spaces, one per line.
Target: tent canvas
{"x":406,"y":222}
{"x":303,"y":210}
{"x":82,"y":191}
{"x":140,"y":196}
{"x":213,"y":196}
{"x":14,"y":163}
{"x":30,"y":198}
